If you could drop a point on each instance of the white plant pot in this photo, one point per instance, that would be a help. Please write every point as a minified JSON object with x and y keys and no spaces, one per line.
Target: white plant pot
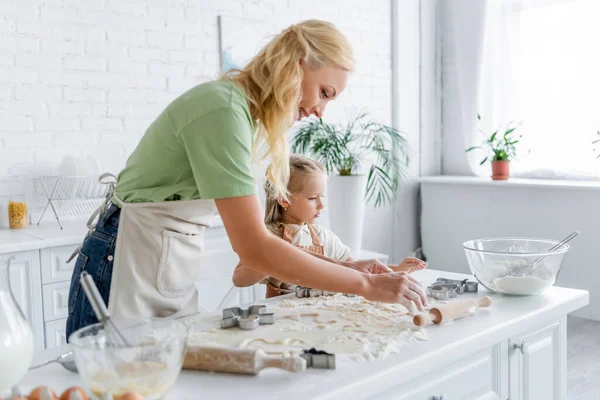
{"x":346,"y":204}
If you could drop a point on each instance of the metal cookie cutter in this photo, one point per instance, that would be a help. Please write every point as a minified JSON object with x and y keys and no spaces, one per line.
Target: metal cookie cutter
{"x":302,"y":292}
{"x":442,"y":292}
{"x":246,"y":319}
{"x":463,"y":286}
{"x":444,"y":289}
{"x":318,"y":359}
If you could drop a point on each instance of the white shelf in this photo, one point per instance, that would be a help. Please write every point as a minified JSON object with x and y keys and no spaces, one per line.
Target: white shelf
{"x":512,"y":182}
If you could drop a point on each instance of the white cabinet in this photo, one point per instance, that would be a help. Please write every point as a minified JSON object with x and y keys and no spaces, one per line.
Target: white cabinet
{"x":528,"y":366}
{"x":538,"y":363}
{"x":54,"y":263}
{"x":40,"y":281}
{"x":56,"y":300}
{"x":26,"y":285}
{"x":476,"y":376}
{"x":56,"y":333}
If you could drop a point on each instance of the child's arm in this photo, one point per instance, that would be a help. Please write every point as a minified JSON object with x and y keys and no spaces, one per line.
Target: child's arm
{"x":409,"y":264}
{"x":244,"y":276}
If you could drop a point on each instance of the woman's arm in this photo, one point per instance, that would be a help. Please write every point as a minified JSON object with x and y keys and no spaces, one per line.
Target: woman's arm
{"x":261,"y":251}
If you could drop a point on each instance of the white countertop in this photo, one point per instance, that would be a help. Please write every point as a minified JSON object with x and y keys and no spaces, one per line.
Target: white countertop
{"x":509,"y":315}
{"x":41,"y":236}
{"x":49,"y":234}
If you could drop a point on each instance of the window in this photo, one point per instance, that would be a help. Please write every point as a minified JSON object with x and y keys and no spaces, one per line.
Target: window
{"x":551,"y":82}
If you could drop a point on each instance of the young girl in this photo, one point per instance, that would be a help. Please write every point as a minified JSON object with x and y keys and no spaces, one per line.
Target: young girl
{"x":293,"y":220}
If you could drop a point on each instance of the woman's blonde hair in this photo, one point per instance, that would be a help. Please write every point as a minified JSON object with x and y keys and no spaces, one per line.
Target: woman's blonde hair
{"x":301,"y":168}
{"x":272,"y":81}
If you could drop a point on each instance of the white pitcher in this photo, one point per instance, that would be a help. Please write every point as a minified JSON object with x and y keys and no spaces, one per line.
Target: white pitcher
{"x":16,"y":337}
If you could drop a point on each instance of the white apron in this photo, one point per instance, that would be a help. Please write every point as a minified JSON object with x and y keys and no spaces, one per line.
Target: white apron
{"x":157,"y":258}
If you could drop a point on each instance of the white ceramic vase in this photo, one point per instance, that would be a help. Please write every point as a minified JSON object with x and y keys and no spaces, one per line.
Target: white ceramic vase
{"x":346,"y":202}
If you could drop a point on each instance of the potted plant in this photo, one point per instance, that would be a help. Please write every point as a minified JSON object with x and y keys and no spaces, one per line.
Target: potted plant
{"x":348,"y":152}
{"x":500,"y":146}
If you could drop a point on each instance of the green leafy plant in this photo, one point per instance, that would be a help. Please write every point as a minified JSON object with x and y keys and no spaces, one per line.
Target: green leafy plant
{"x":595,"y":142}
{"x":500,"y":145}
{"x":345,"y":149}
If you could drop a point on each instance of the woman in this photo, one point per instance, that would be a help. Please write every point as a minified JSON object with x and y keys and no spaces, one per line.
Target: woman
{"x":196,"y":159}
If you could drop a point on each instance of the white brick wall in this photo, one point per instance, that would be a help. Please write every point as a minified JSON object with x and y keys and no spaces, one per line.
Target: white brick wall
{"x":90,"y":75}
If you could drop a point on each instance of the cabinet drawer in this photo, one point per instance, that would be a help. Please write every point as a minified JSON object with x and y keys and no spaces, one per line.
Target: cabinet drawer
{"x":538,"y":363}
{"x":56,"y":333}
{"x":56,"y":300}
{"x":477,"y":376}
{"x":54,"y":266}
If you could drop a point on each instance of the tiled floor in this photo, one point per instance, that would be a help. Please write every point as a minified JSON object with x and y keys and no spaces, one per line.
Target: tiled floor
{"x":583,"y":359}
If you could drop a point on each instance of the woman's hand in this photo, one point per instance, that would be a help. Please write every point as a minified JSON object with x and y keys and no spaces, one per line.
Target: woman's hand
{"x":372,"y":266}
{"x":397,"y":287}
{"x":409,"y":264}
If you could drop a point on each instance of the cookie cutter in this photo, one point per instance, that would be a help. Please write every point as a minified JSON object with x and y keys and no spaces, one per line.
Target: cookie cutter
{"x":442,"y":292}
{"x":246,"y":319}
{"x":303,"y":292}
{"x":318,"y":359}
{"x":463,"y":286}
{"x":444,"y":289}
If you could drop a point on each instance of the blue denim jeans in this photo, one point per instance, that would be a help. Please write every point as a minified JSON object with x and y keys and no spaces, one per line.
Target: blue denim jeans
{"x":96,"y":258}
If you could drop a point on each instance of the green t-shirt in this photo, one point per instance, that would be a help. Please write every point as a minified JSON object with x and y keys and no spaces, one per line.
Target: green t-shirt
{"x":199,"y":147}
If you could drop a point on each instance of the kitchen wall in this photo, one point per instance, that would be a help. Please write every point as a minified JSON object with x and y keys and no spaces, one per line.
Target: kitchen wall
{"x":457,"y":209}
{"x":88,"y":76}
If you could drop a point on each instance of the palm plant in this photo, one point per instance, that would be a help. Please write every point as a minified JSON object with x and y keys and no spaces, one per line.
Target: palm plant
{"x":595,"y":142}
{"x":345,"y":150}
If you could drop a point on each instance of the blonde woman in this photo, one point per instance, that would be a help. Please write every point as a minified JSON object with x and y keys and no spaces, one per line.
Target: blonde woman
{"x":293,"y":219}
{"x":196,"y":159}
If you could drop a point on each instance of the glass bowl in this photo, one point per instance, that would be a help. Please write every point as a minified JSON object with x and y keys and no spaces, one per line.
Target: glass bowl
{"x":149,"y":364}
{"x":506,"y":265}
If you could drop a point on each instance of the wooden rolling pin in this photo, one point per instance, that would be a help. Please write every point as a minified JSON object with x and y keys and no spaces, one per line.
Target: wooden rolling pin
{"x":240,"y":361}
{"x":448,"y":312}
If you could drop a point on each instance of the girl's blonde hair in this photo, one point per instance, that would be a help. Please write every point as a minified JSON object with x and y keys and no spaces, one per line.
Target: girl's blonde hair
{"x":301,"y":168}
{"x":272,"y":82}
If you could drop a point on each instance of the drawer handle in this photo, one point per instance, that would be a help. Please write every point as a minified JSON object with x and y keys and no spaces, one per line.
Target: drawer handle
{"x":523,"y":346}
{"x":442,"y":396}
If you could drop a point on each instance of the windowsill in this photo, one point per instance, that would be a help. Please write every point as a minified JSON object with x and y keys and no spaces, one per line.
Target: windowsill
{"x":512,"y":182}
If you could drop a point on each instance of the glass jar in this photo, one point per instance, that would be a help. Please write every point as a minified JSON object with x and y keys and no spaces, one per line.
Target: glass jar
{"x":18,"y":216}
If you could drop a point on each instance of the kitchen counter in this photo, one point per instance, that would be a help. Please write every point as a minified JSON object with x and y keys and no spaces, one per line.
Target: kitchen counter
{"x":467,"y":358}
{"x":49,"y":234}
{"x":42,"y":236}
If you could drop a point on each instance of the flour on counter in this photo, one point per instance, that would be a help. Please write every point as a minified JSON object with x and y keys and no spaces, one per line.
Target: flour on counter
{"x":353,"y":326}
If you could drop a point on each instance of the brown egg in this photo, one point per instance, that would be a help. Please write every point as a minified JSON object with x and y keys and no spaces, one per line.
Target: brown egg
{"x":131,"y":396}
{"x":74,"y":393}
{"x":42,"y":393}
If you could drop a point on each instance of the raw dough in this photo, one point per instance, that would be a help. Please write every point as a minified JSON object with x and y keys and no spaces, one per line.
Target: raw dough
{"x":353,"y":326}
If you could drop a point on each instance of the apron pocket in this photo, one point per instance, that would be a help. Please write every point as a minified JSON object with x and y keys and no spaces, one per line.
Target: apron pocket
{"x":179,"y":264}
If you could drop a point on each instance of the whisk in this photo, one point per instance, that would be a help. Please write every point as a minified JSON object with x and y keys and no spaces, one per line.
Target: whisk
{"x":113,"y":335}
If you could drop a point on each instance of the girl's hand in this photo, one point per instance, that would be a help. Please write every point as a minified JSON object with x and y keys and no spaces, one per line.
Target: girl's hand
{"x":372,"y":266}
{"x":409,"y":264}
{"x":397,"y":287}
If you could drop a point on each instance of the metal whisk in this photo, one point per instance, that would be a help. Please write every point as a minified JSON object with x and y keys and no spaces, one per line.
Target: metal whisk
{"x":91,"y":291}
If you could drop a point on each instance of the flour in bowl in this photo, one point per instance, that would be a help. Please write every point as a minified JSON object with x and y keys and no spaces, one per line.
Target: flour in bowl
{"x":522,"y":285}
